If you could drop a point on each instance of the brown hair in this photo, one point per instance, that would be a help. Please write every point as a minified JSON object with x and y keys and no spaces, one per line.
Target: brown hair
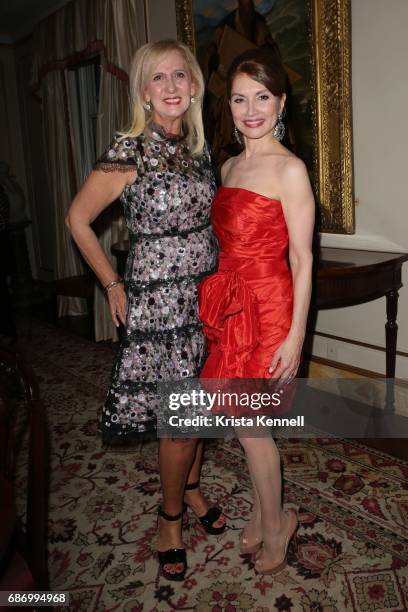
{"x":263,"y":64}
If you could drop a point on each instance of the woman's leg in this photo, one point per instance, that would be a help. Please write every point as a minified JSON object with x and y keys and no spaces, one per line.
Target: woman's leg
{"x":195,"y":498}
{"x":252,"y":532}
{"x":176,"y":457}
{"x":195,"y":470}
{"x":264,"y":468}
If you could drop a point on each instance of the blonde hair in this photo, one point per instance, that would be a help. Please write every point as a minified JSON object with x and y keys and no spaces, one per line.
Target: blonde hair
{"x":142,"y":66}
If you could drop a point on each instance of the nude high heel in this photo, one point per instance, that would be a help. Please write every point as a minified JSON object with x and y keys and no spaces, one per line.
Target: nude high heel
{"x":261,"y":566}
{"x":249,"y":549}
{"x":245,"y":548}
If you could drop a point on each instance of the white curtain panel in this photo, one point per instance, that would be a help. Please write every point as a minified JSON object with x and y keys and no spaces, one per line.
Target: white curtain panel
{"x":62,"y":184}
{"x":115,"y":29}
{"x":82,"y":108}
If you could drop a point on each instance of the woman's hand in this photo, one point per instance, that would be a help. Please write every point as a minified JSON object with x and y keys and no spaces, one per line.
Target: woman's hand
{"x":117,"y":304}
{"x":286,"y":360}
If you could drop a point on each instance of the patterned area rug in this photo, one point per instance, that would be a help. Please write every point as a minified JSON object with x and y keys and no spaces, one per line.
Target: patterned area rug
{"x":352,"y":548}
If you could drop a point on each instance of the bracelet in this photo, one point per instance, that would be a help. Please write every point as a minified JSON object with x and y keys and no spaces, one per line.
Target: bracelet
{"x":114,"y":283}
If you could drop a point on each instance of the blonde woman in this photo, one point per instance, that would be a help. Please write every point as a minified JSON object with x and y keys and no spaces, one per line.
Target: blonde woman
{"x":161,"y":172}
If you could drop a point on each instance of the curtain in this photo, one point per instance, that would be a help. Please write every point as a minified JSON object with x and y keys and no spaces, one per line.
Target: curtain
{"x":113,"y":105}
{"x":114,"y":29}
{"x":82,"y":106}
{"x":62,"y":183}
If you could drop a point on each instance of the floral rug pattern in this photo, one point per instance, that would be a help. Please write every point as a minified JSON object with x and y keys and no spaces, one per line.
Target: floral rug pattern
{"x":352,"y":551}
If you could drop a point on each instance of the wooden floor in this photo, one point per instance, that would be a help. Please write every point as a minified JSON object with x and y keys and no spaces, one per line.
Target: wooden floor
{"x":397,"y":447}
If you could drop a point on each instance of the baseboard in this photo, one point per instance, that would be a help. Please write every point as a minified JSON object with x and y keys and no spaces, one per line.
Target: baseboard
{"x":320,"y":366}
{"x":354,"y":356}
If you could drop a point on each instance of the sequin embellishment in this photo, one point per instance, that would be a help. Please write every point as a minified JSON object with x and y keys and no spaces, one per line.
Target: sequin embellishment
{"x":172,"y":247}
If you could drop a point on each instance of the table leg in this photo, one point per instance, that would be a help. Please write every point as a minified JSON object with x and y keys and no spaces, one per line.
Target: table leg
{"x":391,"y":330}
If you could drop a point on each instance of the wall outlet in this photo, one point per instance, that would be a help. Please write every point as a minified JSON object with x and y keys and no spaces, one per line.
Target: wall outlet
{"x":331,"y":351}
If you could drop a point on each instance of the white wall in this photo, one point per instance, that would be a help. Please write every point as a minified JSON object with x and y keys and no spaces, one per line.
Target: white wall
{"x":380,"y":131}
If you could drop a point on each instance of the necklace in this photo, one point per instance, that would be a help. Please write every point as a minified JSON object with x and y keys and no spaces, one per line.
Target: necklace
{"x":159,"y":133}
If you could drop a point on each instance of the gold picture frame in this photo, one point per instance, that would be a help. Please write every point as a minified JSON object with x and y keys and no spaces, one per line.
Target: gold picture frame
{"x":330,"y":28}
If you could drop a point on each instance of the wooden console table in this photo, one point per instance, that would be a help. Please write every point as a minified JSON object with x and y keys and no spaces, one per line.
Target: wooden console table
{"x":346,"y":277}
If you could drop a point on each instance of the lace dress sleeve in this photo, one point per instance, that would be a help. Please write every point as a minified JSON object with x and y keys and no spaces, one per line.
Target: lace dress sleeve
{"x":122,"y":155}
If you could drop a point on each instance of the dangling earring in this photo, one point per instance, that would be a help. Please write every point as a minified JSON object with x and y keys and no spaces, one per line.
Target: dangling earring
{"x":279,"y":129}
{"x":238,"y":138}
{"x":192,"y":99}
{"x":147,"y":106}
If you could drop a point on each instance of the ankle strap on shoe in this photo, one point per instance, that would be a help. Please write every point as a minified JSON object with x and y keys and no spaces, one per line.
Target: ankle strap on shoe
{"x":192,"y":485}
{"x":171,"y":517}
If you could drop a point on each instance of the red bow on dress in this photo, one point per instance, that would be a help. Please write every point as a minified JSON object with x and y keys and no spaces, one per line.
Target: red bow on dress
{"x":227,"y":310}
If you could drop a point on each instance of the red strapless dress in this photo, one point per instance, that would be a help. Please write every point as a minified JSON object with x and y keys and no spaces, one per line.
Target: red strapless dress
{"x":246,"y":307}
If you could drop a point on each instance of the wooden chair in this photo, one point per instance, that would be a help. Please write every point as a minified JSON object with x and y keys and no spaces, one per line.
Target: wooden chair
{"x":23,"y":541}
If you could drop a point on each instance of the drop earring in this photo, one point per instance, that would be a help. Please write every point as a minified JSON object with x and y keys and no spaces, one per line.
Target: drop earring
{"x":279,"y":129}
{"x":238,"y":136}
{"x":192,"y":99}
{"x":147,"y":106}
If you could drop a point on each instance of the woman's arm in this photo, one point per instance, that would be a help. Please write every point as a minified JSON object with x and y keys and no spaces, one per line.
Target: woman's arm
{"x":99,"y":190}
{"x":299,"y":210}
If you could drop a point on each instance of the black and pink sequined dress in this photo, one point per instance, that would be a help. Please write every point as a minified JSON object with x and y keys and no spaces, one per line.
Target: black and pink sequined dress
{"x":171,"y":248}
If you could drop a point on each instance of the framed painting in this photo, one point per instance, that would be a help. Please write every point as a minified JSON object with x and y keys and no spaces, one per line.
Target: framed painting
{"x":313,"y":37}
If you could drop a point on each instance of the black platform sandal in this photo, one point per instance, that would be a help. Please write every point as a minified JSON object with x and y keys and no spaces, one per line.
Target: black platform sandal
{"x":210,"y":517}
{"x":172,"y":555}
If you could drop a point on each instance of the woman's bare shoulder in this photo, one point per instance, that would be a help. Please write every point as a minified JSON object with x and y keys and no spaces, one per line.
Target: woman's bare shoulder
{"x":229,"y":165}
{"x":295,"y":183}
{"x":292,"y":167}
